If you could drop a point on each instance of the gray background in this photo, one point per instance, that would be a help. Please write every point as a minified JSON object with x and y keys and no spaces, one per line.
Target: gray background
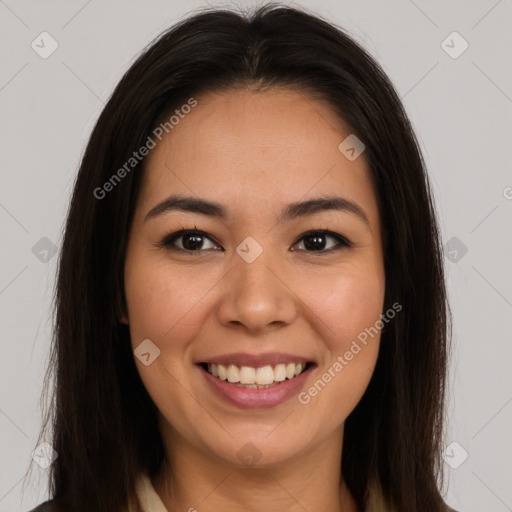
{"x":460,"y":107}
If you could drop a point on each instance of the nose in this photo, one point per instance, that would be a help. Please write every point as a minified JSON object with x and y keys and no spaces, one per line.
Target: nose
{"x":257,"y":296}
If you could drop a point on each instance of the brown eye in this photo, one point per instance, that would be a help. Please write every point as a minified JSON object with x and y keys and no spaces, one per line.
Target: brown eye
{"x":197,"y":241}
{"x":188,"y":240}
{"x":318,"y":241}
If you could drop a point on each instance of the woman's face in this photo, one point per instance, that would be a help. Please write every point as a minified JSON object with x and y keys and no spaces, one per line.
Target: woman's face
{"x":254,"y":289}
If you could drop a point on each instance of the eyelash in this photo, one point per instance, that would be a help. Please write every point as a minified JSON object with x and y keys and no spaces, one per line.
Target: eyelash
{"x":168,"y":241}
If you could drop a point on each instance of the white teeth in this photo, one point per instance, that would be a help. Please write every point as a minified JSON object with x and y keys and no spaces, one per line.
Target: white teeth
{"x":233,"y":373}
{"x":249,"y":376}
{"x":264,"y":375}
{"x":280,"y":373}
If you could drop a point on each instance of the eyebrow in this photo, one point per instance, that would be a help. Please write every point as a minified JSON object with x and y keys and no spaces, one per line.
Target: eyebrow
{"x":290,"y":212}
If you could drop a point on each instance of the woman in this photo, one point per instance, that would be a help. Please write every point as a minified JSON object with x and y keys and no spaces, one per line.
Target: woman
{"x":251,"y":308}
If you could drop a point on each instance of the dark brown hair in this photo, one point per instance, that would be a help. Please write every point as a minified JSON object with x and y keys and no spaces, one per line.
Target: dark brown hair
{"x":103,"y":420}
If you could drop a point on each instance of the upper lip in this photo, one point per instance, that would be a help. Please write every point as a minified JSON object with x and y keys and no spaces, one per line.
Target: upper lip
{"x":255,"y":360}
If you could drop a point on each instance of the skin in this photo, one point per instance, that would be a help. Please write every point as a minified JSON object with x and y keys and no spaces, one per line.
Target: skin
{"x":254,"y":152}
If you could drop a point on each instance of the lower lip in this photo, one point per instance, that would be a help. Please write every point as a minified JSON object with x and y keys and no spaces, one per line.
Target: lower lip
{"x":256,"y":398}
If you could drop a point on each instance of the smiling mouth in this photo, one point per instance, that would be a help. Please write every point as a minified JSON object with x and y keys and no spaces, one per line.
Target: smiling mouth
{"x":256,"y":378}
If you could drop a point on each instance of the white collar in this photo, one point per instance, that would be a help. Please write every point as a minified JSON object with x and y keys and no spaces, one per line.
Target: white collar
{"x":148,"y":497}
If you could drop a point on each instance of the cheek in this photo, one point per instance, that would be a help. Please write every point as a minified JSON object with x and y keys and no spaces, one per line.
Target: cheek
{"x":164,"y":301}
{"x":346,"y":302}
{"x":348,"y":306}
{"x":165,"y":306}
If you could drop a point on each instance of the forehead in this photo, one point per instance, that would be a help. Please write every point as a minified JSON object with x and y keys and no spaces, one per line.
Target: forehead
{"x":263,"y":149}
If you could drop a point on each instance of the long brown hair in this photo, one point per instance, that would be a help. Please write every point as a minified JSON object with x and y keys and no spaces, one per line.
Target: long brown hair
{"x":102,"y":419}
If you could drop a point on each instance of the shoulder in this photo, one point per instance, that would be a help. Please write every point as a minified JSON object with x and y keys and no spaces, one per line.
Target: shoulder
{"x":47,"y":506}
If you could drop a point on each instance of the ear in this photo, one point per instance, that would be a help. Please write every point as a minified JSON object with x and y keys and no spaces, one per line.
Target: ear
{"x":124,"y":320}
